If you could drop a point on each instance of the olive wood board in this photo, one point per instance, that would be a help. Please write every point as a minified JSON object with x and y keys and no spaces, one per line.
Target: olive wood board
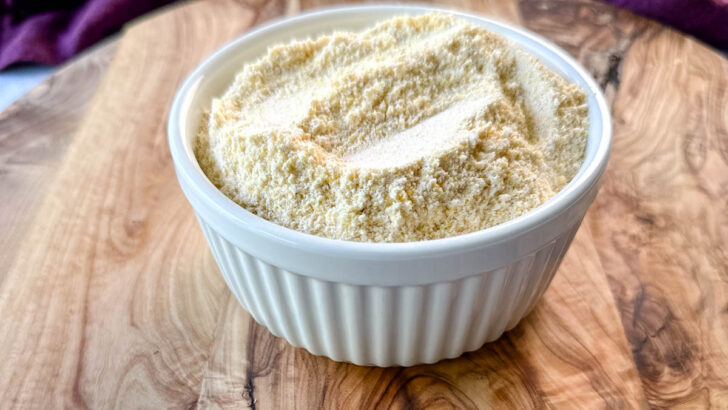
{"x":109,"y":296}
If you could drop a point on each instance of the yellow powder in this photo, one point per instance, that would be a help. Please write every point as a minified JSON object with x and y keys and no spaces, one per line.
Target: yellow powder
{"x":418,"y":128}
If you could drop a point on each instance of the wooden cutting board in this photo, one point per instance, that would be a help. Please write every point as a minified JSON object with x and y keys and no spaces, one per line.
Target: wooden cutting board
{"x":109,"y":296}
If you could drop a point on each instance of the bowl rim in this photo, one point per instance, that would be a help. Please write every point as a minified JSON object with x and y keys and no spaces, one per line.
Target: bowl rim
{"x":188,"y":168}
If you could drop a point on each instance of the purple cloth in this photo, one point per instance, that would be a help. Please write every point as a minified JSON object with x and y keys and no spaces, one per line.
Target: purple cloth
{"x":705,"y":19}
{"x":50,"y":32}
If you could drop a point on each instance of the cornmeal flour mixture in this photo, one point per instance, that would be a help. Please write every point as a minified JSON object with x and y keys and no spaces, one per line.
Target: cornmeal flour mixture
{"x":418,"y":128}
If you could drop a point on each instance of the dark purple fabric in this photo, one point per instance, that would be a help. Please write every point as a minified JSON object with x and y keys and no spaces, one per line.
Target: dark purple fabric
{"x":705,"y":19}
{"x":50,"y":32}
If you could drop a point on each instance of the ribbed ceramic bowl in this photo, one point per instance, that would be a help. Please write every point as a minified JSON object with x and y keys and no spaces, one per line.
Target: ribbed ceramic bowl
{"x":382,"y":304}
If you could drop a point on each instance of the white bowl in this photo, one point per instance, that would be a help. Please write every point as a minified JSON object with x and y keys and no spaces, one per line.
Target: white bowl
{"x":382,"y":304}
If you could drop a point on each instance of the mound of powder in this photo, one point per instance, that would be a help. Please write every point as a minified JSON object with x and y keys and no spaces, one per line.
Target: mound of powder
{"x":419,"y":128}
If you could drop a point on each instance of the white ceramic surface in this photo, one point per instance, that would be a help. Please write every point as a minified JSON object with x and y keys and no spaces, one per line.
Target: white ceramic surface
{"x":382,"y":304}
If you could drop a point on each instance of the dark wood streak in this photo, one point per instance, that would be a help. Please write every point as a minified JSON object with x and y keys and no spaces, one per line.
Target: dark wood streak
{"x":435,"y":389}
{"x":611,"y":77}
{"x":660,"y":344}
{"x":598,"y":34}
{"x":249,"y":395}
{"x":261,"y":345}
{"x":509,"y":360}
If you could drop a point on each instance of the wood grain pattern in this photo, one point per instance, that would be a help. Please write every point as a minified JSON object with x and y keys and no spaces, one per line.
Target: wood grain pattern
{"x":34,"y":133}
{"x":111,"y":298}
{"x":665,"y":253}
{"x":111,"y":301}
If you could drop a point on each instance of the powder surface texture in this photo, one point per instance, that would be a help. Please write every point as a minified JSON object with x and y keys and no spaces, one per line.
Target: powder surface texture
{"x":419,"y":128}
